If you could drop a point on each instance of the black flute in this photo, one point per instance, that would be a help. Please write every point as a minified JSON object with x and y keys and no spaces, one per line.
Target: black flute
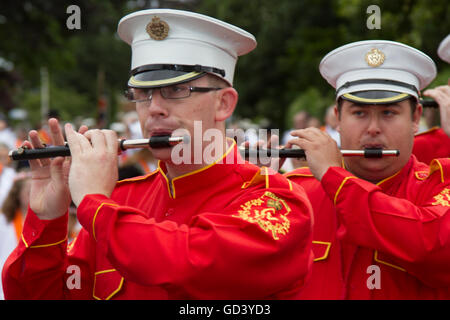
{"x":428,"y":103}
{"x":64,"y":151}
{"x":167,"y":141}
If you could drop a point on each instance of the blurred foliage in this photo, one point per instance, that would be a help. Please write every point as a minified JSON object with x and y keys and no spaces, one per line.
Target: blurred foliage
{"x":274,"y":81}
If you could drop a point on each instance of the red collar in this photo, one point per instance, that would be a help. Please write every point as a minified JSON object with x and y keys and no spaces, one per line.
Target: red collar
{"x":209,"y":175}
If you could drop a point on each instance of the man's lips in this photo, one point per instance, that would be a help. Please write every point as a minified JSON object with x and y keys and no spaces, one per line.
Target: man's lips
{"x":373,"y":146}
{"x":162,"y":132}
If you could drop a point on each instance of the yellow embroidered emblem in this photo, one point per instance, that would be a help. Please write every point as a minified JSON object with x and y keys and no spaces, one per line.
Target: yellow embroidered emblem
{"x":157,"y":29}
{"x":269,"y":212}
{"x":443,"y":198}
{"x":375,"y":58}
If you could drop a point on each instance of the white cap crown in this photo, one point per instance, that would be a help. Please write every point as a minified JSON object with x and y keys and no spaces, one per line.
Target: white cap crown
{"x":378,"y":71}
{"x":166,"y":37}
{"x":444,"y":49}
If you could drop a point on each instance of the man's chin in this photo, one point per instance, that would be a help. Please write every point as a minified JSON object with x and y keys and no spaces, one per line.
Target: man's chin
{"x":370,"y":169}
{"x":167,"y":156}
{"x":162,"y":154}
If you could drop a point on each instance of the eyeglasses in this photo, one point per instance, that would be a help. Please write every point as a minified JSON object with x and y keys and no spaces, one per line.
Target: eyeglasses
{"x":169,"y":92}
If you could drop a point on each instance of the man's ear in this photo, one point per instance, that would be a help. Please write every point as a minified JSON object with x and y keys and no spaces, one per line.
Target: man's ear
{"x":227,"y":101}
{"x":416,"y":117}
{"x":338,"y":118}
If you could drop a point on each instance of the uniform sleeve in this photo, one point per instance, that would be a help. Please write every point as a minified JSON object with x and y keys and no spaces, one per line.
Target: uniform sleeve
{"x":411,"y":233}
{"x":431,"y":145}
{"x":260,"y":243}
{"x":38,"y":267}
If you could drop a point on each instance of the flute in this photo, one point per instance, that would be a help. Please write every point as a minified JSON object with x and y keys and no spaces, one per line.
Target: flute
{"x":167,"y":141}
{"x":64,"y":151}
{"x":300,"y":153}
{"x":428,"y":103}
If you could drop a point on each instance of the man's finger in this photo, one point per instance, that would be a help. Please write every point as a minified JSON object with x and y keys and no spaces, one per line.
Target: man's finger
{"x":97,"y":139}
{"x":111,"y":141}
{"x":36,"y":163}
{"x":74,"y":142}
{"x":36,"y":143}
{"x":55,"y":132}
{"x":299,"y":142}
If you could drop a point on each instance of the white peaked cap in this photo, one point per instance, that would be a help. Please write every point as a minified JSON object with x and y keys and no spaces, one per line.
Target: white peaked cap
{"x":444,"y":49}
{"x":377,"y":71}
{"x":173,"y":46}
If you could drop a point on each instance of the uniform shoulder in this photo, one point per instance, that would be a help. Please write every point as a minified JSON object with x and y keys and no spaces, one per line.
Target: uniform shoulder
{"x":438,"y":169}
{"x":148,"y":177}
{"x":432,"y":130}
{"x":302,"y":172}
{"x":267,"y":178}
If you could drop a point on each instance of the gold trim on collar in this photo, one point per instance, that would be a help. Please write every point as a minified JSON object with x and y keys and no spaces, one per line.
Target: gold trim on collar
{"x":261,"y":176}
{"x":170,"y":184}
{"x":435,"y":165}
{"x":388,"y":178}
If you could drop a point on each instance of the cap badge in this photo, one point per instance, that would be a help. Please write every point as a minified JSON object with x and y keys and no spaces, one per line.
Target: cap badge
{"x":375,"y":58}
{"x":157,"y":29}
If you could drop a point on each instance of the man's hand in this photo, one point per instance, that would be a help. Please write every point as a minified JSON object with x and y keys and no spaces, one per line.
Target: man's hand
{"x":441,"y":95}
{"x":273,"y":143}
{"x":321,"y":150}
{"x":49,"y":194}
{"x":94,"y":163}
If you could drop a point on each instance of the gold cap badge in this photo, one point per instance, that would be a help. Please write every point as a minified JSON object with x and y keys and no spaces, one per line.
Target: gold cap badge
{"x":157,"y":29}
{"x":375,"y":58}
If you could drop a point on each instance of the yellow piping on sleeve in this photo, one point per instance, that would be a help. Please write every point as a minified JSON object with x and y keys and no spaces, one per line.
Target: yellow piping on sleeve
{"x":340,"y":187}
{"x":50,"y":244}
{"x":375,"y":257}
{"x":42,"y":245}
{"x":95,"y":217}
{"x":23,"y":239}
{"x":290,"y":185}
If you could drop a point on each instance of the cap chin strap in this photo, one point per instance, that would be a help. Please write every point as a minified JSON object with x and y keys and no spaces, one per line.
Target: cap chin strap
{"x":377,"y":81}
{"x":177,"y":67}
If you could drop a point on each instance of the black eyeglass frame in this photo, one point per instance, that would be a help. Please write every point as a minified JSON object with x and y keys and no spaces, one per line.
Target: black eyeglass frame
{"x":127,"y":92}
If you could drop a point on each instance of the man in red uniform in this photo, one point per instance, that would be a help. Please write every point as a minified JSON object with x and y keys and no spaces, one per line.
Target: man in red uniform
{"x":219,"y":229}
{"x":381,"y":225}
{"x":435,"y":143}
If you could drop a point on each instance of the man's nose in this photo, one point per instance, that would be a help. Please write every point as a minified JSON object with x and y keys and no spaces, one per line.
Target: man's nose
{"x":156,"y":104}
{"x":374,"y":125}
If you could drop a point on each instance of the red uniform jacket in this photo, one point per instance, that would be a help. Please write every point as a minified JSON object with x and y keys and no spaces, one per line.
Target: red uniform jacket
{"x":226,"y":231}
{"x":431,"y":144}
{"x":389,"y":240}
